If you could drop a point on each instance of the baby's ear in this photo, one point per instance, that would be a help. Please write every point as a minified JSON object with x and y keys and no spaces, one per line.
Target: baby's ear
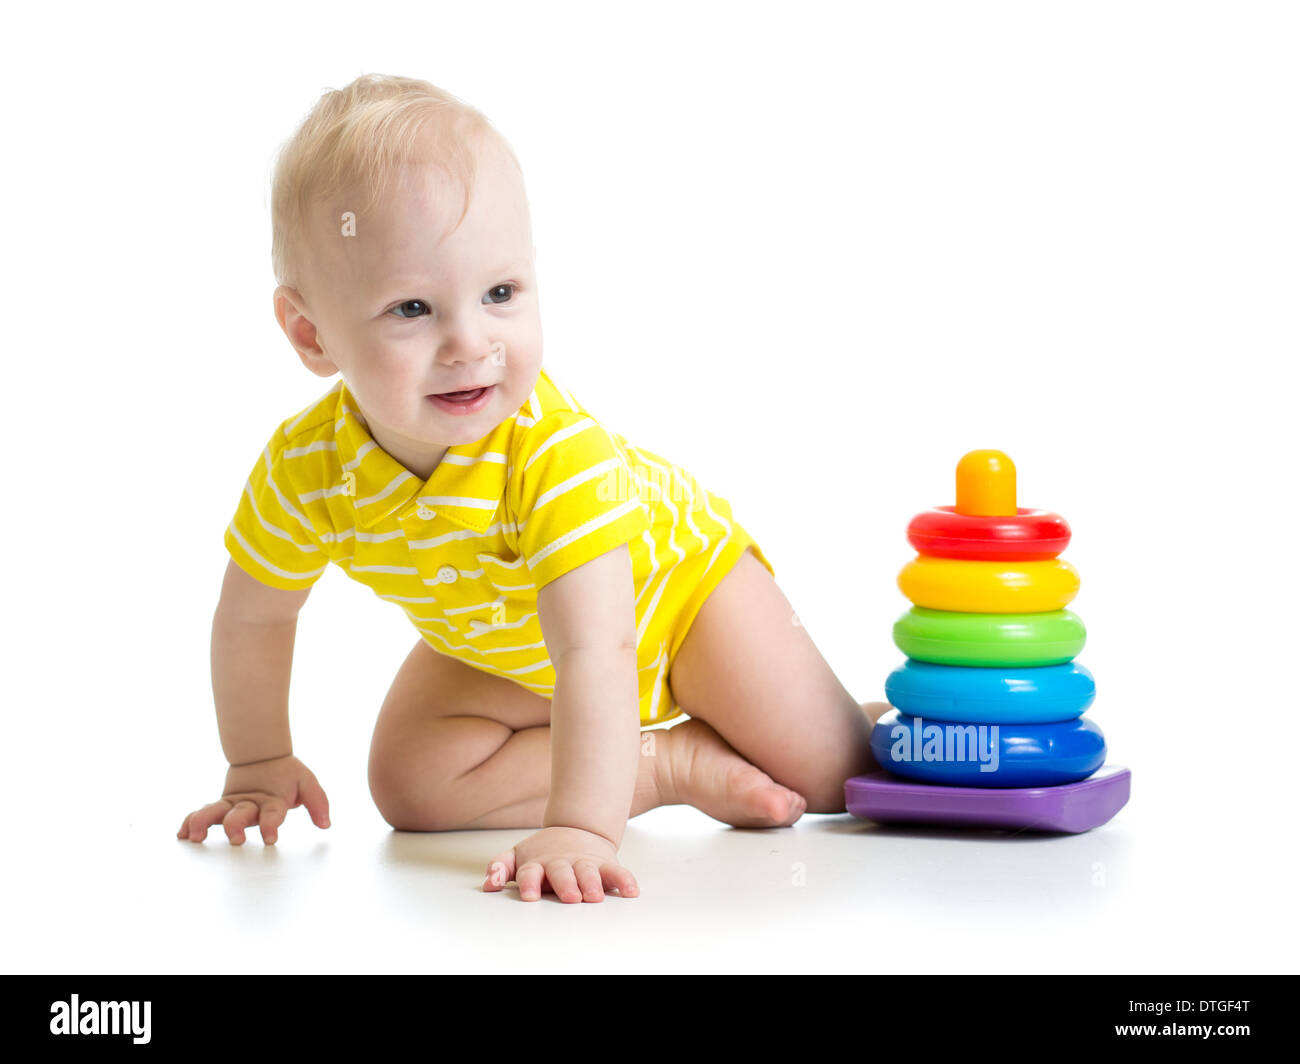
{"x":291,"y":313}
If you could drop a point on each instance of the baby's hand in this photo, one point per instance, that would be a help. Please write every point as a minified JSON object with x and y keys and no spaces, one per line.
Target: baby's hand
{"x":579,"y":865}
{"x":261,"y":793}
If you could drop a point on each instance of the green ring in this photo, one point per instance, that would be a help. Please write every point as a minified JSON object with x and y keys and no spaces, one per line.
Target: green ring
{"x":989,"y":639}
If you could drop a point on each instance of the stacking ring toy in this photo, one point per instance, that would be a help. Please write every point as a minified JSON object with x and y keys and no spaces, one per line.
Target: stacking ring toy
{"x":989,"y":639}
{"x":986,"y":524}
{"x":989,"y":587}
{"x":991,"y":696}
{"x":992,"y":755}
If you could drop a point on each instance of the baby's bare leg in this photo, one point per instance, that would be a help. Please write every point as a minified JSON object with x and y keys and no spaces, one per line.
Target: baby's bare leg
{"x":749,"y":670}
{"x":455,"y":748}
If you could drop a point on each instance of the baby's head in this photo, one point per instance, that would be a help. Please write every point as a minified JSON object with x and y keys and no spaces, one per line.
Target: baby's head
{"x":402,"y":248}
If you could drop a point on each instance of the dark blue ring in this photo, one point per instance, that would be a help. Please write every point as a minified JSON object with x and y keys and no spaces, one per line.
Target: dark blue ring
{"x":962,"y":754}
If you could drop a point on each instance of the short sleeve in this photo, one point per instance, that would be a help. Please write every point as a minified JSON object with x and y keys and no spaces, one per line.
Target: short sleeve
{"x":575,"y":496}
{"x":270,"y":537}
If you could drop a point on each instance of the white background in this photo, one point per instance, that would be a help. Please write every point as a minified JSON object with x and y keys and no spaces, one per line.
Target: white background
{"x":813,"y":253}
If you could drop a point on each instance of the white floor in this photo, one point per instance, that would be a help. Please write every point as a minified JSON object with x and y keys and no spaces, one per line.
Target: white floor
{"x":109,"y":891}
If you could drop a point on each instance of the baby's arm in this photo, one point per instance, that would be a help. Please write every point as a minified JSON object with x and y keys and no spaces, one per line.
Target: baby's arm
{"x":252,"y":652}
{"x":588,"y":620}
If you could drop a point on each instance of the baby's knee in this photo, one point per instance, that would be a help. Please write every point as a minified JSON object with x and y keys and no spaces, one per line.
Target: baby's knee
{"x":823,"y":795}
{"x":406,"y":799}
{"x":822,"y":785}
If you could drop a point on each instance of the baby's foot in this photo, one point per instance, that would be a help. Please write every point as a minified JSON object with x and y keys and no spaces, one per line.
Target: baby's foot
{"x":703,"y":771}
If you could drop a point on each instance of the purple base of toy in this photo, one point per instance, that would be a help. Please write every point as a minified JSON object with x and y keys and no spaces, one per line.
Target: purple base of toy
{"x":1072,"y":807}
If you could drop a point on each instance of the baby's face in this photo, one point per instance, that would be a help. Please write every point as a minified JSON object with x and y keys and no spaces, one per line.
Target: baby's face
{"x":407,"y":310}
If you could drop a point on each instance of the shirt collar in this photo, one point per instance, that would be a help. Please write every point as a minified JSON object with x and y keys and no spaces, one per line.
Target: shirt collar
{"x":466,"y":487}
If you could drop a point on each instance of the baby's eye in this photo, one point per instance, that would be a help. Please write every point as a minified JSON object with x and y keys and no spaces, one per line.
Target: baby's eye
{"x":412,"y":302}
{"x":508,"y":289}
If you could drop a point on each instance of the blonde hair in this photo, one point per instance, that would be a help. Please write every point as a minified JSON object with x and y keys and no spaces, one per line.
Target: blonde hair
{"x":357,"y":139}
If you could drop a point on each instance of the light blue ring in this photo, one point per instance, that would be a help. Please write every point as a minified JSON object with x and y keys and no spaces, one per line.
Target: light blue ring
{"x":1038,"y":695}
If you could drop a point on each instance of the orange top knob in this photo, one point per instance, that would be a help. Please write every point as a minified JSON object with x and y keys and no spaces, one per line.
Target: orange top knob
{"x":986,"y":485}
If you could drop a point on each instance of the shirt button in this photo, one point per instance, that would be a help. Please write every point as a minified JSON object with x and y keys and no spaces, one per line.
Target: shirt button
{"x":425,"y":514}
{"x":447,"y":574}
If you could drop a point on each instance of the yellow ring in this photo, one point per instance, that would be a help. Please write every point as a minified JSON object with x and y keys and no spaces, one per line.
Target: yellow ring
{"x":989,"y":587}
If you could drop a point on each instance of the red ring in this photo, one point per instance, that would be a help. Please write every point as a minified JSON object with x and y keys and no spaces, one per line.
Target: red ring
{"x":1031,"y":535}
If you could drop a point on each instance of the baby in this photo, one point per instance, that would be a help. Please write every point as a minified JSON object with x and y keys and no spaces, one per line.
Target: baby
{"x":568,"y":587}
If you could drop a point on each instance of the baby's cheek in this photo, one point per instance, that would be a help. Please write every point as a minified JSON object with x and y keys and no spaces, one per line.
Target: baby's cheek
{"x":395,"y":359}
{"x":396,"y":380}
{"x":524,"y":354}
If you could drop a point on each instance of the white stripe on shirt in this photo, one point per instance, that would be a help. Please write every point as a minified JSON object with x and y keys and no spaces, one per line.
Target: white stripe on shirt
{"x":267,"y":565}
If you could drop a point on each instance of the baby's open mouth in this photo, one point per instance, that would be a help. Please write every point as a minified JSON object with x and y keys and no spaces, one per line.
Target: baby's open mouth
{"x":465,"y":401}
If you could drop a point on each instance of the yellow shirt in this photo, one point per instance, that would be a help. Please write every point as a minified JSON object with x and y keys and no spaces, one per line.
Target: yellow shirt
{"x":465,"y":553}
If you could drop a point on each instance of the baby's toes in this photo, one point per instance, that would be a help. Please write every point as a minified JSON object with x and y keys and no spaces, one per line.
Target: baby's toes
{"x":762,"y":800}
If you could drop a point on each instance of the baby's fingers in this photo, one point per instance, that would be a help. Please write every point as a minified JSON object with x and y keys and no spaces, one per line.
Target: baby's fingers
{"x":500,"y":872}
{"x":238,"y":819}
{"x":312,"y":795}
{"x":269,"y":819}
{"x":615,"y":875}
{"x":529,"y":880}
{"x":588,"y":873}
{"x":195,"y":826}
{"x":559,"y":871}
